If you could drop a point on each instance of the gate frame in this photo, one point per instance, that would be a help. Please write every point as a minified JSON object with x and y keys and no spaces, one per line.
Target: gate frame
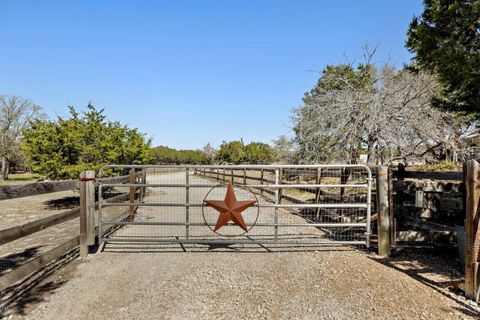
{"x":276,"y":205}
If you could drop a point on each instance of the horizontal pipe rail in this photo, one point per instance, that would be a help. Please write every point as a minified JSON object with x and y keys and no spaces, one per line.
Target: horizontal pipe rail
{"x":273,"y":186}
{"x":200,"y":224}
{"x":231,"y":241}
{"x":198,"y":205}
{"x":237,"y":166}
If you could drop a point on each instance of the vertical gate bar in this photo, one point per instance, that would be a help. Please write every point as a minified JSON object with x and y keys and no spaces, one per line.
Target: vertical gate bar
{"x":277,"y":198}
{"x":187,"y":202}
{"x":244,"y":176}
{"x":369,"y":206}
{"x":224,"y":175}
{"x":318,"y":180}
{"x":232,"y":178}
{"x":218,"y":174}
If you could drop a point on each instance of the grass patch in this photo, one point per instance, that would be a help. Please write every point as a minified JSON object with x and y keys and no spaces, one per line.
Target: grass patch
{"x":441,"y":166}
{"x":20,"y":178}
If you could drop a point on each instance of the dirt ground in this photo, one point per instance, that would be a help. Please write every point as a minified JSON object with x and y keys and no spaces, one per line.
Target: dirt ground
{"x":242,"y":281}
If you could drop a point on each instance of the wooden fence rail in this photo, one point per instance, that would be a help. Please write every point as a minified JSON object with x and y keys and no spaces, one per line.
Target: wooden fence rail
{"x":33,"y":189}
{"x":231,"y":176}
{"x":87,"y":227}
{"x":17,"y":232}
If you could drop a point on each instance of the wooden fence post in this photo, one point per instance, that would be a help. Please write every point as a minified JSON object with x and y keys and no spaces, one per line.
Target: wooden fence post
{"x":383,"y":212}
{"x":280,"y":195}
{"x":391,"y":206}
{"x":131,"y":209}
{"x":87,"y":211}
{"x":143,"y":180}
{"x":472,"y":236}
{"x":261,"y":180}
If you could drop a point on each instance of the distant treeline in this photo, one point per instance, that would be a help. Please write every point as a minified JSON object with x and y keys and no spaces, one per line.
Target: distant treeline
{"x":166,"y":155}
{"x":235,"y":152}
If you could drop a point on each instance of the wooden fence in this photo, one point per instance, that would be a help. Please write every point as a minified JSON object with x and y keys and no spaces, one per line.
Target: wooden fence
{"x":420,"y":206}
{"x":425,"y":206}
{"x":86,"y":210}
{"x":409,"y":205}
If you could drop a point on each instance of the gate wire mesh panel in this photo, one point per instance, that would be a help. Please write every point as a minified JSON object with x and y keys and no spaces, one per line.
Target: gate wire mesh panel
{"x":295,"y":204}
{"x":329,"y":202}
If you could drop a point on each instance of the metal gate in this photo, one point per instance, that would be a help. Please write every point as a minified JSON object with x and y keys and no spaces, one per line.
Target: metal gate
{"x":237,"y":204}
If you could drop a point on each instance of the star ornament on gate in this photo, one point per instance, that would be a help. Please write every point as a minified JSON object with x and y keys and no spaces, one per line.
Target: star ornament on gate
{"x":230,"y":209}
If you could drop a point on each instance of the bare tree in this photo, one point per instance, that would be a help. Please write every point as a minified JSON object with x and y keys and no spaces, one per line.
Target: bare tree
{"x":285,"y":149}
{"x":384,"y":110}
{"x":209,"y":152}
{"x":15,"y":114}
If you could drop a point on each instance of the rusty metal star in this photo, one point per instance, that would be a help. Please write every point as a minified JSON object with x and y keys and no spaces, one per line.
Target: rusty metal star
{"x":230,"y":209}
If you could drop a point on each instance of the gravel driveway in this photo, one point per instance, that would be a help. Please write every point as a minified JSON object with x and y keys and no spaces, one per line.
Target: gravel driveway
{"x":243,"y":281}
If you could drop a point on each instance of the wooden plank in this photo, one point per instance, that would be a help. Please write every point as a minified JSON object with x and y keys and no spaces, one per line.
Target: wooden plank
{"x":32,"y":189}
{"x":17,"y":232}
{"x":424,"y":236}
{"x":333,"y":195}
{"x":430,"y":175}
{"x":429,"y":186}
{"x":19,"y":273}
{"x":425,"y":225}
{"x":383,"y":212}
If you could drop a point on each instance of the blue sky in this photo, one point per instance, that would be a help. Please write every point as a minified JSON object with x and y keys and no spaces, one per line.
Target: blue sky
{"x":190,"y":72}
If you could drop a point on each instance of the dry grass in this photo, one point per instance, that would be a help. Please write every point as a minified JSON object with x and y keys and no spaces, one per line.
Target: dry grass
{"x":20,"y":178}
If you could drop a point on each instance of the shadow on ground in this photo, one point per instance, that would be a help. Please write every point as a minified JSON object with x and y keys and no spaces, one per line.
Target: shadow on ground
{"x":16,"y":259}
{"x":16,"y":299}
{"x":437,"y":268}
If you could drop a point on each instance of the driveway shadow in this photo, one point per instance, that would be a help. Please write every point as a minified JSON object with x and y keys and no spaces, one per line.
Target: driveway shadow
{"x":17,"y":299}
{"x":434,"y":267}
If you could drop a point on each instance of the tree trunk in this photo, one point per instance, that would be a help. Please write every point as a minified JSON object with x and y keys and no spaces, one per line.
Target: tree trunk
{"x":370,"y":151}
{"x":5,"y":170}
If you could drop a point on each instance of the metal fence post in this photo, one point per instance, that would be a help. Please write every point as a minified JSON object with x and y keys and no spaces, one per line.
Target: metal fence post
{"x":187,"y":203}
{"x":277,"y":201}
{"x":383,"y":212}
{"x":87,"y":211}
